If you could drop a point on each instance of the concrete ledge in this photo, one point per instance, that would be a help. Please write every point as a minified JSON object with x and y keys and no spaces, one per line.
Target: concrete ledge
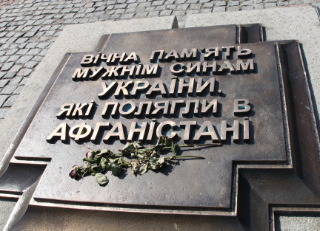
{"x":74,"y":38}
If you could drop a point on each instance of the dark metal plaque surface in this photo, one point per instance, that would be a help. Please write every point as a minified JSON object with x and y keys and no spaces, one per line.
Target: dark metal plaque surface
{"x":193,"y":185}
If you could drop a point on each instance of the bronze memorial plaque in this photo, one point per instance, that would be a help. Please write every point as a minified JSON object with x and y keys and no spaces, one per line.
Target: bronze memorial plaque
{"x":230,"y":102}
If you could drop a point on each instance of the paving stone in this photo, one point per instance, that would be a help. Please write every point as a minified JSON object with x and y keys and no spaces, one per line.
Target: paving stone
{"x":15,"y":81}
{"x":295,"y":2}
{"x":154,"y":13}
{"x":24,"y":72}
{"x":11,"y":51}
{"x":157,"y":3}
{"x":130,"y":10}
{"x":171,"y":7}
{"x":141,"y":14}
{"x":127,"y":16}
{"x":234,"y":8}
{"x":195,"y":6}
{"x":2,"y":74}
{"x":9,"y":75}
{"x":206,"y":10}
{"x":182,"y":7}
{"x":267,"y":5}
{"x":179,"y":13}
{"x":192,"y":1}
{"x":133,"y":5}
{"x":3,"y":82}
{"x":233,"y":3}
{"x":7,"y":66}
{"x":22,"y":51}
{"x":3,"y":40}
{"x":247,"y":8}
{"x":7,"y":90}
{"x":247,"y":3}
{"x":24,"y":59}
{"x":208,"y":5}
{"x":163,"y":7}
{"x":120,"y":6}
{"x":33,"y":52}
{"x":21,"y":40}
{"x":14,"y":58}
{"x":3,"y":59}
{"x":165,"y":12}
{"x":9,"y":102}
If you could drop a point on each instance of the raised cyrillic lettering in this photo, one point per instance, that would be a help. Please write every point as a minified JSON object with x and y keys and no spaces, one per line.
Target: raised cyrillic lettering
{"x":127,"y":108}
{"x":77,"y":111}
{"x":60,"y":133}
{"x":189,"y":55}
{"x":80,"y":132}
{"x":172,"y":55}
{"x":116,"y":131}
{"x":159,"y":131}
{"x":234,"y":129}
{"x":206,"y":129}
{"x":201,"y":87}
{"x":211,"y":51}
{"x":106,"y":88}
{"x":87,"y":59}
{"x":66,"y":110}
{"x":243,"y":52}
{"x":122,"y":88}
{"x":187,"y":125}
{"x":106,"y":107}
{"x":183,"y":84}
{"x":174,"y":104}
{"x":161,"y":105}
{"x":150,"y":71}
{"x":156,"y":55}
{"x":177,"y":68}
{"x":188,"y":106}
{"x":157,"y":88}
{"x":228,"y":50}
{"x":97,"y":129}
{"x":81,"y":73}
{"x":141,"y":105}
{"x":241,"y":106}
{"x":241,"y":66}
{"x":141,"y":130}
{"x":139,"y":86}
{"x":213,"y":104}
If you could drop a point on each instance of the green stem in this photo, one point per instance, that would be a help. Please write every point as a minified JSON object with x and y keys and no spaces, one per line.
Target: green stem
{"x":198,"y":157}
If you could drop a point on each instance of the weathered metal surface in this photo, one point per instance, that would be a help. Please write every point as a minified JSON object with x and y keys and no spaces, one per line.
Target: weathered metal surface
{"x":191,"y":185}
{"x":280,"y":101}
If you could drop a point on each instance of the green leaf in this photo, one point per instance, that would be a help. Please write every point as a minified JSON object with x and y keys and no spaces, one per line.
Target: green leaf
{"x":161,"y":160}
{"x":101,"y":179}
{"x":135,"y":167}
{"x":90,"y":160}
{"x":104,"y":164}
{"x":143,"y":169}
{"x":137,"y":145}
{"x":116,"y":169}
{"x":128,"y":147}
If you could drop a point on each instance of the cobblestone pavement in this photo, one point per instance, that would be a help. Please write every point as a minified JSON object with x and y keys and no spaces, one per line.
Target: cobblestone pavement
{"x":28,"y":28}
